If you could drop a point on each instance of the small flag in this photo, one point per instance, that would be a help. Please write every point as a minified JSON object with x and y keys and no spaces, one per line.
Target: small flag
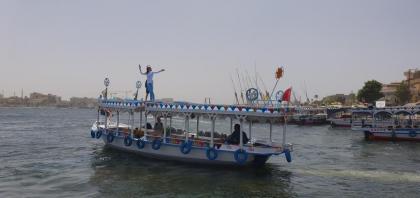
{"x":287,"y":94}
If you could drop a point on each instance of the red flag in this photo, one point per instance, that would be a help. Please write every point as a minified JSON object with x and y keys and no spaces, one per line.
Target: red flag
{"x":287,"y":94}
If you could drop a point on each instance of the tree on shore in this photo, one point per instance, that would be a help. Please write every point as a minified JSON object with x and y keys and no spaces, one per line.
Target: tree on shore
{"x":403,"y":93}
{"x":370,"y":92}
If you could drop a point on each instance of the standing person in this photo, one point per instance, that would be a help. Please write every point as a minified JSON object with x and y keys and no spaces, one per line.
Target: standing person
{"x":149,"y":82}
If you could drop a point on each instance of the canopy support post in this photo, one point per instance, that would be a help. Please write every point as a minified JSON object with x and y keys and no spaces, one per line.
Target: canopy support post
{"x":271,"y":131}
{"x":97,"y":118}
{"x":284,"y":130}
{"x":213,"y":126}
{"x":250,"y":129}
{"x":241,"y":143}
{"x":131,"y":123}
{"x":118,"y":123}
{"x":141,"y":119}
{"x":198,"y":124}
{"x":145,"y":124}
{"x":164,"y":128}
{"x":231,"y":125}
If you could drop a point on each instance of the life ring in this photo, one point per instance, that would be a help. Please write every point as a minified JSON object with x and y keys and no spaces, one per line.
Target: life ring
{"x":185,"y":147}
{"x":98,"y":134}
{"x":110,"y":137}
{"x":128,"y":141}
{"x":156,"y":144}
{"x":141,"y":143}
{"x":241,"y":156}
{"x":211,"y":153}
{"x":92,"y":133}
{"x":412,"y":134}
{"x":288,"y":155}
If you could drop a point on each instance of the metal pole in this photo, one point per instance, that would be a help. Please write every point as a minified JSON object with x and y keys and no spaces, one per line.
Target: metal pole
{"x":131,"y":123}
{"x":145,"y":125}
{"x":241,"y":122}
{"x":118,"y":123}
{"x":213,"y":123}
{"x":170,"y":122}
{"x":145,"y":119}
{"x":271,"y":131}
{"x":97,"y":118}
{"x":250,"y":129}
{"x":164,"y":129}
{"x":141,"y":119}
{"x":411,"y":120}
{"x":198,"y":124}
{"x":284,"y":130}
{"x":231,"y":125}
{"x":106,"y":121}
{"x":186,"y":127}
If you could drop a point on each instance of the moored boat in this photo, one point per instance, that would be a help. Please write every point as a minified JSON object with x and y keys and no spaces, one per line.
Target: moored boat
{"x":397,"y":123}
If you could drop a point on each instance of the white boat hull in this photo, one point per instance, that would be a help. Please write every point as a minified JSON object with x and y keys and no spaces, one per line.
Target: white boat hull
{"x":167,"y":151}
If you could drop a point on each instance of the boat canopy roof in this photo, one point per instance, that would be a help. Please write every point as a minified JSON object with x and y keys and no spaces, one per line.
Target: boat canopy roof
{"x":249,"y":112}
{"x":389,"y":110}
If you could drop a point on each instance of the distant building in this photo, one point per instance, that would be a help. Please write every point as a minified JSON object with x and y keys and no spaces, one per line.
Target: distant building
{"x":39,"y":99}
{"x":389,"y":91}
{"x":83,"y":102}
{"x":413,"y":80}
{"x":340,"y":99}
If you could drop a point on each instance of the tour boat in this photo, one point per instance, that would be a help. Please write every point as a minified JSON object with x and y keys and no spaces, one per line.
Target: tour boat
{"x":396,"y":123}
{"x":187,"y":145}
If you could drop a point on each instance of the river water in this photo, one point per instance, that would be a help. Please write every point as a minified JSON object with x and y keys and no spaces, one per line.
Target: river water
{"x":48,"y":152}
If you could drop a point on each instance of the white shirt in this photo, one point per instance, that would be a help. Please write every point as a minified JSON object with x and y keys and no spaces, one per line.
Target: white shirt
{"x":150,"y":76}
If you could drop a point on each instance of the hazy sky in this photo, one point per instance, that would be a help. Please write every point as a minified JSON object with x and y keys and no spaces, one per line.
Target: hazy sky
{"x":68,"y":47}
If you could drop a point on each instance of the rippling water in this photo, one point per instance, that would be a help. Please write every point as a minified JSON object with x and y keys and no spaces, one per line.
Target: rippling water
{"x":48,"y":152}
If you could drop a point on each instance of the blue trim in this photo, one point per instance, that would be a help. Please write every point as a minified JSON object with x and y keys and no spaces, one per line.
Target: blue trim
{"x":92,"y":134}
{"x":203,"y":148}
{"x":110,"y":137}
{"x":412,"y":134}
{"x":128,"y":141}
{"x":185,"y":147}
{"x":288,"y":155}
{"x":156,"y":144}
{"x":140,"y":144}
{"x":98,"y":134}
{"x":241,"y":160}
{"x":211,"y":153}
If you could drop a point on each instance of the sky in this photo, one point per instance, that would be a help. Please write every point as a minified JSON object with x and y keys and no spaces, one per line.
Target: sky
{"x":326,"y":46}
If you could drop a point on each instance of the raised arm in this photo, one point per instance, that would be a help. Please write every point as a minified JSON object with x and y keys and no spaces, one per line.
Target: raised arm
{"x":141,"y":71}
{"x":159,"y":71}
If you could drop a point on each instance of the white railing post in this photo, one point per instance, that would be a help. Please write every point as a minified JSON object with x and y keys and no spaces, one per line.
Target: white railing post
{"x":284,"y":130}
{"x":213,"y":126}
{"x":118,"y":123}
{"x":241,"y":123}
{"x":250,"y":129}
{"x":131,"y":123}
{"x":141,"y":119}
{"x":231,"y":125}
{"x":164,"y":128}
{"x":271,"y":131}
{"x":198,"y":124}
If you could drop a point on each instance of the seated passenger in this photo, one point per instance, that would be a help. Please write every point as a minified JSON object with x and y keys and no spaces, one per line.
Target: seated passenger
{"x":158,"y":125}
{"x":234,"y":138}
{"x":148,"y":126}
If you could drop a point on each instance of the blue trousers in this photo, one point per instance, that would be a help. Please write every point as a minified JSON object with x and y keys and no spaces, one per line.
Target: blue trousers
{"x":149,"y":88}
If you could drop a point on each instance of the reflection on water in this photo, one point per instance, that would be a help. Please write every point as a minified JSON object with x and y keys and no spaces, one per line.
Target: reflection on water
{"x":125,"y":174}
